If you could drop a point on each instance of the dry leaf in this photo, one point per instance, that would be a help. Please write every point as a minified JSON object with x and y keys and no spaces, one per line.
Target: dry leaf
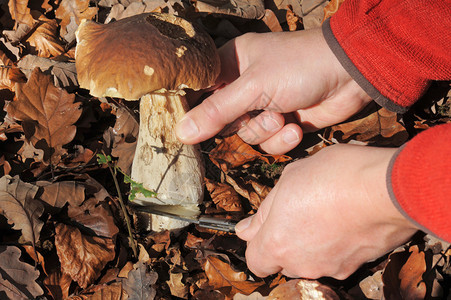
{"x":65,"y":74}
{"x":372,"y":286}
{"x":75,"y":9}
{"x":331,"y":8}
{"x":412,"y":285}
{"x":59,"y":193}
{"x":123,"y":138}
{"x":20,"y":208}
{"x":82,"y":257}
{"x":250,"y":189}
{"x":246,"y":9}
{"x":20,"y":12}
{"x":220,"y":274}
{"x":271,"y":21}
{"x":381,"y":126}
{"x":17,"y":279}
{"x":95,"y":217}
{"x":232,"y":152}
{"x":177,"y":287}
{"x":224,"y":196}
{"x":47,"y":113}
{"x":113,"y":291}
{"x":58,"y":284}
{"x":44,"y":40}
{"x":140,"y":281}
{"x":293,"y":20}
{"x":9,"y":73}
{"x":303,"y":289}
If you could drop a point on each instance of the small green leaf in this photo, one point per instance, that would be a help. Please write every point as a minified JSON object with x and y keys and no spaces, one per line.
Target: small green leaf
{"x":136,"y":187}
{"x":103,"y":159}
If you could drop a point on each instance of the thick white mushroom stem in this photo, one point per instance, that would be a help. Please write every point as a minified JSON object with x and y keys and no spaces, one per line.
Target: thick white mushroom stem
{"x":162,"y":163}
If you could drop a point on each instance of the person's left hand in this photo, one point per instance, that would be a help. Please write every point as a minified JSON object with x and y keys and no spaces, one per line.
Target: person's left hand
{"x":327,"y":215}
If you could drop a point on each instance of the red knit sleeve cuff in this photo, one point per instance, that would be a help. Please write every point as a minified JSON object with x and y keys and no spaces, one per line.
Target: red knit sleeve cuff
{"x":361,"y":80}
{"x":392,"y":48}
{"x":419,"y":181}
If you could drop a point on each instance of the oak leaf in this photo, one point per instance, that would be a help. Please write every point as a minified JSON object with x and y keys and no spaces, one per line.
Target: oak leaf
{"x":75,"y":9}
{"x":123,"y":138}
{"x":231,"y":152}
{"x":9,"y":73}
{"x":246,"y":9}
{"x":58,"y":284}
{"x":331,"y":8}
{"x":250,"y":189}
{"x":177,"y":287}
{"x":97,"y":218}
{"x":224,"y":196}
{"x":303,"y":289}
{"x":17,"y":279}
{"x":57,"y":194}
{"x":47,"y":113}
{"x":44,"y":39}
{"x":220,"y":274}
{"x":20,"y":208}
{"x":82,"y":257}
{"x":140,"y":281}
{"x":381,"y":126}
{"x":20,"y":12}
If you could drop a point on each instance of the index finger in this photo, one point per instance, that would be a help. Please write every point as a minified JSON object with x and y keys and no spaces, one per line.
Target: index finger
{"x":223,"y":107}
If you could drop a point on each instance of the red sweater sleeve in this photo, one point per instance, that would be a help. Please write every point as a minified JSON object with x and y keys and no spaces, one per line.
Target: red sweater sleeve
{"x":419,"y":180}
{"x":393,"y":48}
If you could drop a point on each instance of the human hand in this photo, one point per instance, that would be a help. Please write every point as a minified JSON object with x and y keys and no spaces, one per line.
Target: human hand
{"x":277,"y":73}
{"x":327,"y":215}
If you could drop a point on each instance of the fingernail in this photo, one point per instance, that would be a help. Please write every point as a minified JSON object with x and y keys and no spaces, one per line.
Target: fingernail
{"x":290,"y":137}
{"x":187,"y":129}
{"x":243,"y":224}
{"x":270,"y":124}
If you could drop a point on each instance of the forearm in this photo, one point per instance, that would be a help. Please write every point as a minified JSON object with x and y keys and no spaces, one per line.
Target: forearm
{"x":392,"y":49}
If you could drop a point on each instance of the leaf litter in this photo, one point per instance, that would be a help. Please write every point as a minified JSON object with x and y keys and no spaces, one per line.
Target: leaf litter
{"x":63,"y":233}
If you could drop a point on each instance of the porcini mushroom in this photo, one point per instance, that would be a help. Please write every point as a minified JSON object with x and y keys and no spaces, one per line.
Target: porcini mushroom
{"x":153,"y":57}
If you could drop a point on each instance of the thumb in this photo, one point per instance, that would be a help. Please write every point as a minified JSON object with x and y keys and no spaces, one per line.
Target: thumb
{"x":246,"y":229}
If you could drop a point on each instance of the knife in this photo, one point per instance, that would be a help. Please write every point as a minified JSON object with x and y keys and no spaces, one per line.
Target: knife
{"x":180,"y":213}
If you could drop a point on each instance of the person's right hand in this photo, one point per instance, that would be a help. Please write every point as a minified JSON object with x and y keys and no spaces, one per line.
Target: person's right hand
{"x":277,"y":73}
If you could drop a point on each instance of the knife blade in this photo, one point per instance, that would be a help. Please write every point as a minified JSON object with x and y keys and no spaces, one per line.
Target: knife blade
{"x":180,"y":213}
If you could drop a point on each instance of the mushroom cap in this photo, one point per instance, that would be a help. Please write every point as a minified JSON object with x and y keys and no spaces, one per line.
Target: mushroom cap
{"x":151,"y":52}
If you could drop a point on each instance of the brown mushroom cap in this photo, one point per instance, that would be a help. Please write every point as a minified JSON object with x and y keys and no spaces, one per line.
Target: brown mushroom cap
{"x":142,"y":54}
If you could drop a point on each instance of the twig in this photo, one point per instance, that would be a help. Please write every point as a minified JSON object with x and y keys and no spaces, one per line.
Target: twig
{"x":124,"y":209}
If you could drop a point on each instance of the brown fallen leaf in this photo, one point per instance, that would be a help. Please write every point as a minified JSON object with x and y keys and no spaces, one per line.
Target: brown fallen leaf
{"x":246,"y":9}
{"x":271,"y":21}
{"x":231,"y":152}
{"x":224,"y":196}
{"x":47,"y":113}
{"x":9,"y":73}
{"x":412,"y":285}
{"x":303,"y":289}
{"x":177,"y":287}
{"x":97,"y":218}
{"x":331,"y":8}
{"x":293,"y":20}
{"x":381,"y":126}
{"x":140,"y":281}
{"x":250,"y":189}
{"x":57,"y":194}
{"x":17,"y":278}
{"x":20,"y":208}
{"x":75,"y":10}
{"x":221,"y":275}
{"x":58,"y":284}
{"x":44,"y":40}
{"x":82,"y":257}
{"x":123,"y":138}
{"x":20,"y":12}
{"x":372,"y":286}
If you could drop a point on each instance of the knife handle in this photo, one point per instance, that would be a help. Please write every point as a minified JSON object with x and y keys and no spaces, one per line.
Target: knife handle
{"x":226,"y":225}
